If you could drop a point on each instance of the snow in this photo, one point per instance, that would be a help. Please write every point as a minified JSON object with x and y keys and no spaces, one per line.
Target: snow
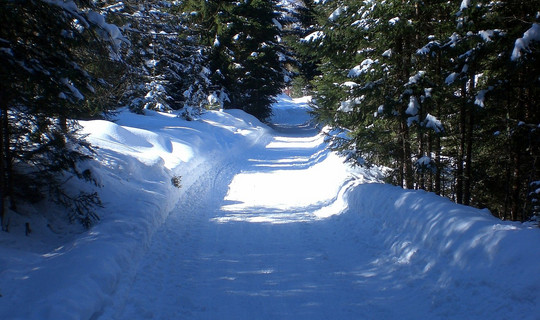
{"x":487,"y":34}
{"x":451,"y":78}
{"x":350,"y":84}
{"x":433,"y":123}
{"x":74,"y":91}
{"x":268,"y":223}
{"x":348,"y":105}
{"x":480,"y":97}
{"x":314,"y":36}
{"x":413,"y":107}
{"x":423,"y":161}
{"x":416,"y":78}
{"x":522,"y":44}
{"x":337,"y":13}
{"x":151,"y":63}
{"x":113,"y":32}
{"x":291,"y":112}
{"x":364,"y":67}
{"x":424,"y":50}
{"x":69,"y":5}
{"x":277,"y":24}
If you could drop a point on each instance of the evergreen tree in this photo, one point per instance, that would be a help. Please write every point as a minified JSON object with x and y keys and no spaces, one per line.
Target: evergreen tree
{"x":158,"y":55}
{"x":43,"y":85}
{"x":507,"y":93}
{"x":369,"y":49}
{"x":435,"y":91}
{"x":303,"y":26}
{"x":243,"y":52}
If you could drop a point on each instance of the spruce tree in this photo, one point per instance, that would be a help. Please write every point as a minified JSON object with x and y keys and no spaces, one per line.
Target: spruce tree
{"x":507,"y":94}
{"x":243,"y":52}
{"x":435,"y":91}
{"x":367,"y":55}
{"x":156,"y":58}
{"x":302,"y":27}
{"x":43,"y":86}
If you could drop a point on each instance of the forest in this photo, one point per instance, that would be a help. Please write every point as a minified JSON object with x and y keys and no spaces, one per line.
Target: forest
{"x":441,"y":93}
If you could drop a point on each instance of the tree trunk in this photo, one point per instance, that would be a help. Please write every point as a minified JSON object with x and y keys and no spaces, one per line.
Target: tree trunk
{"x":429,"y":151}
{"x":516,"y":185}
{"x":438,"y":189}
{"x":401,"y":165}
{"x":6,"y":176}
{"x":3,"y":187}
{"x":469,"y":142}
{"x":7,"y":157}
{"x":407,"y":166}
{"x":461,"y":150}
{"x":467,"y":178}
{"x":437,"y":137}
{"x":421,"y":182}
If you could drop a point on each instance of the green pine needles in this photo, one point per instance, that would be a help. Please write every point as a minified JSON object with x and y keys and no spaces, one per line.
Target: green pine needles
{"x":435,"y":91}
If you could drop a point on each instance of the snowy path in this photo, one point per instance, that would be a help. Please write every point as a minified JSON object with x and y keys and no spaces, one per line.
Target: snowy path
{"x":268,"y":225}
{"x":245,"y":243}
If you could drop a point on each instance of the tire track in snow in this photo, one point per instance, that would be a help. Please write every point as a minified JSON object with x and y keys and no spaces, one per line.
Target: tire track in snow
{"x":168,"y":263}
{"x":203,"y":264}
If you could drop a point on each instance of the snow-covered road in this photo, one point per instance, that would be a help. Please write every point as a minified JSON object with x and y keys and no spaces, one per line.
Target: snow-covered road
{"x":247,"y":242}
{"x":268,"y":224}
{"x":285,"y":230}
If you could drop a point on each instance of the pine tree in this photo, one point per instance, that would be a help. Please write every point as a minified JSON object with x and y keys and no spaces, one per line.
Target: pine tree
{"x":367,"y":49}
{"x":303,"y":27}
{"x":510,"y":89}
{"x":435,"y":90}
{"x":43,"y":85}
{"x":156,"y":58}
{"x":243,"y":52}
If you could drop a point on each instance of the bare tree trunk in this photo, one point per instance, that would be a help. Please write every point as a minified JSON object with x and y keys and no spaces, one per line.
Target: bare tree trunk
{"x":461,"y":150}
{"x":3,"y":186}
{"x":468,"y":163}
{"x":407,"y":166}
{"x":437,"y":137}
{"x":429,"y":177}
{"x":438,"y":165}
{"x":469,"y":141}
{"x":401,"y":165}
{"x":516,"y":184}
{"x":6,"y":179}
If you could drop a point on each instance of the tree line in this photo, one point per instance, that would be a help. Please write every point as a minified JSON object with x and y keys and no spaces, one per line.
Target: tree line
{"x":68,"y":60}
{"x":443,"y":93}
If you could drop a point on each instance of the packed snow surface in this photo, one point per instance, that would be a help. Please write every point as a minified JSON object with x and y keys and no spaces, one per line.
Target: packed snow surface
{"x":267,"y":224}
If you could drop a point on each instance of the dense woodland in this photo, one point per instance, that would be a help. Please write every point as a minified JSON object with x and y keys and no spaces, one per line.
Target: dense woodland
{"x":442,"y":93}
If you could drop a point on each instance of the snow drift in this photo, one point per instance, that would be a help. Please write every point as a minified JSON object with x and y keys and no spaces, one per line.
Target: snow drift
{"x":471,"y":264}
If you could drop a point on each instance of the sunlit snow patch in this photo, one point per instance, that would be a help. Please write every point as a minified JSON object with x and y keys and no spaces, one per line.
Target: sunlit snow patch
{"x":262,"y":197}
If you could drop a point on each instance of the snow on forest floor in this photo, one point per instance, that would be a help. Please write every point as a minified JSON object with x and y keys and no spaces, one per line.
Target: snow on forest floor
{"x":268,"y":224}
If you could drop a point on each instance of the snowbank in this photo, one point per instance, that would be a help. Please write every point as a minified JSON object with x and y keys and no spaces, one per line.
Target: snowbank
{"x":72,"y":277}
{"x":471,"y":260}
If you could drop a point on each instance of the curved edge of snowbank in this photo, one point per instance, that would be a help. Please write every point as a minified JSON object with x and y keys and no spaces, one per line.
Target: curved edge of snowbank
{"x":463,"y":233}
{"x":460,"y":248}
